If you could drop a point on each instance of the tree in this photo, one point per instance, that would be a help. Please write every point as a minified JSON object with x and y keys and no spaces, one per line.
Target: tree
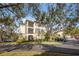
{"x":71,"y":31}
{"x":57,"y":17}
{"x":10,"y":17}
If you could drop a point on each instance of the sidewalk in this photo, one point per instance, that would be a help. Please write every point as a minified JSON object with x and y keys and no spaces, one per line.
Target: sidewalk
{"x":68,"y":49}
{"x":68,"y":46}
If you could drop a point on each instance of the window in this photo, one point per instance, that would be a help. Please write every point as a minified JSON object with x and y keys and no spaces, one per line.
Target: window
{"x":30,"y":24}
{"x":30,"y":30}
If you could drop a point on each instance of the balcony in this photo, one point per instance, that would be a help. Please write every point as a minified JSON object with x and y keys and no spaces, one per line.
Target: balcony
{"x":30,"y":24}
{"x":30,"y":31}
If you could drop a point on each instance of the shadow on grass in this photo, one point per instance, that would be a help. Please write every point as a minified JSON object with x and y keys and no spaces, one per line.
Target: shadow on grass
{"x":8,"y":48}
{"x":50,"y":50}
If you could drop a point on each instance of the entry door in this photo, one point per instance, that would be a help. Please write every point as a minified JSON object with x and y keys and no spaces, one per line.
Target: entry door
{"x":30,"y":37}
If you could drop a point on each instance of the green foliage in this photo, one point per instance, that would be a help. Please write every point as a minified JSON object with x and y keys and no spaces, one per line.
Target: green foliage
{"x":71,"y":31}
{"x":7,"y":29}
{"x":21,"y":41}
{"x":47,"y":36}
{"x":11,"y":9}
{"x":54,"y":36}
{"x":55,"y":15}
{"x":14,"y":36}
{"x":38,"y":41}
{"x":11,"y":43}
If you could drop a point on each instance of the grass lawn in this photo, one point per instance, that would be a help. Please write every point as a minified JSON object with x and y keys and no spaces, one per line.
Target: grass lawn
{"x":33,"y":53}
{"x":21,"y":53}
{"x":49,"y":43}
{"x":8,"y":43}
{"x":52,"y":43}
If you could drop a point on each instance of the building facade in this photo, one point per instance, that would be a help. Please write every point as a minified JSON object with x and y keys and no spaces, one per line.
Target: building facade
{"x":32,"y":30}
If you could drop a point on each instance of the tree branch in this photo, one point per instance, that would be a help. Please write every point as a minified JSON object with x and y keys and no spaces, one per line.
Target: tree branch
{"x":7,"y":5}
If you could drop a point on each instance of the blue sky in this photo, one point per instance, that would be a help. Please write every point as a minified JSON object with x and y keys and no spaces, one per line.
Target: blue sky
{"x":44,"y":8}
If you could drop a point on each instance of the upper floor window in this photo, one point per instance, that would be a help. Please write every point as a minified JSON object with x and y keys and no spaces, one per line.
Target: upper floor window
{"x":30,"y":30}
{"x":30,"y":24}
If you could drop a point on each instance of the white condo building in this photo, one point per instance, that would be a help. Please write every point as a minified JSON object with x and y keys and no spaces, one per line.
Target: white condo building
{"x":32,"y":30}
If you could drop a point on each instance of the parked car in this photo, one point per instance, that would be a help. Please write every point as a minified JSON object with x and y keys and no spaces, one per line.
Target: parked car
{"x":60,"y":39}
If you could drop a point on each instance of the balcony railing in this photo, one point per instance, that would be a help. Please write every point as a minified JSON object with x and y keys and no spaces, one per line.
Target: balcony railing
{"x":30,"y":24}
{"x":30,"y":31}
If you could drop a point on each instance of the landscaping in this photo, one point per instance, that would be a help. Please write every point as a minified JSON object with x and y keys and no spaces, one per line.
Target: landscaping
{"x":23,"y":53}
{"x":39,"y":29}
{"x":44,"y":42}
{"x":32,"y":53}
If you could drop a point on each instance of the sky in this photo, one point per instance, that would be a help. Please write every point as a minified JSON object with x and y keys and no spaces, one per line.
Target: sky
{"x":69,"y":6}
{"x":44,"y":8}
{"x":28,"y":17}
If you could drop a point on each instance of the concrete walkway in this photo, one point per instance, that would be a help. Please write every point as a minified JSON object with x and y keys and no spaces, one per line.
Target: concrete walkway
{"x":67,"y":49}
{"x":68,"y":46}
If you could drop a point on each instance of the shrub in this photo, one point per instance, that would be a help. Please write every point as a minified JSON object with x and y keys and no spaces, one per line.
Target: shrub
{"x":54,"y":36}
{"x":47,"y":36}
{"x":20,"y":41}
